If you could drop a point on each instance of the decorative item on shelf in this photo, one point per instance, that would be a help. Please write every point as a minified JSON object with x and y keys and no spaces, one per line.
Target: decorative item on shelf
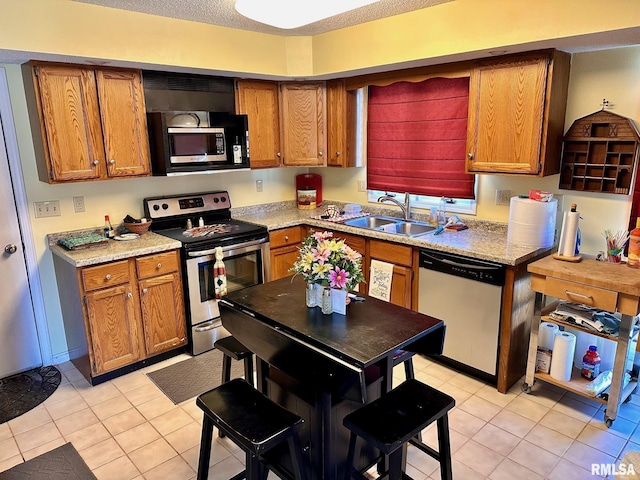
{"x":328,"y":263}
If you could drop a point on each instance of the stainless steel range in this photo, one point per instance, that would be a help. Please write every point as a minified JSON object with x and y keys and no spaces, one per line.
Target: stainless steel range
{"x":202,"y":222}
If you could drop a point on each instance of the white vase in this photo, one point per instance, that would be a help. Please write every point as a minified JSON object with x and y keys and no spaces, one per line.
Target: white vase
{"x":339,"y":301}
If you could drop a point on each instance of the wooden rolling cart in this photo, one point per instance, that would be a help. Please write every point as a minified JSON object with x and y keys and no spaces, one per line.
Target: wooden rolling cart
{"x":608,"y":286}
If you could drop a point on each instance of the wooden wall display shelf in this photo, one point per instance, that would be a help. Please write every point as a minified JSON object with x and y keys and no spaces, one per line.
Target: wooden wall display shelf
{"x":600,"y":154}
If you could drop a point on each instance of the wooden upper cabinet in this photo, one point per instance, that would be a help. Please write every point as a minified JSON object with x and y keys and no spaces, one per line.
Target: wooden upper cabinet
{"x":260,"y":102}
{"x":70,"y":123}
{"x":516,"y":114}
{"x":336,"y":124}
{"x":88,"y":124}
{"x":304,"y":124}
{"x":124,"y":123}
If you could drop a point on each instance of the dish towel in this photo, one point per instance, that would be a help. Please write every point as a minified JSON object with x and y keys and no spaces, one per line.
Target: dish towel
{"x":380,"y":280}
{"x":220,"y":275}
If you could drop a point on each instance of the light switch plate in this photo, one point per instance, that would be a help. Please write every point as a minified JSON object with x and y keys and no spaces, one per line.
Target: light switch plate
{"x":50,"y":208}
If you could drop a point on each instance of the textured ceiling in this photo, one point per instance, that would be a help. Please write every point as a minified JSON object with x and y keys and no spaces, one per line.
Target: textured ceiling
{"x":223,"y":13}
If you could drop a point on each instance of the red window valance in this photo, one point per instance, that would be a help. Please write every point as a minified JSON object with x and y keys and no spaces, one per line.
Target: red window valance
{"x":416,"y":138}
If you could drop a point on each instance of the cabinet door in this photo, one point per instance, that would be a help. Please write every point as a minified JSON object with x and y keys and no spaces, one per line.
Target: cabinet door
{"x":113,"y":328}
{"x":282,"y":259}
{"x":336,"y":123}
{"x":70,"y":122}
{"x":506,"y":114}
{"x":401,"y":286}
{"x":162,"y":308}
{"x":303,"y":123}
{"x":259,"y":101}
{"x":124,"y":123}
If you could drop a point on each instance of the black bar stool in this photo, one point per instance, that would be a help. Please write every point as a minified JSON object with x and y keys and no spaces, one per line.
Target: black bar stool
{"x":394,"y":419}
{"x":253,"y":422}
{"x":402,"y":356}
{"x":232,"y":348}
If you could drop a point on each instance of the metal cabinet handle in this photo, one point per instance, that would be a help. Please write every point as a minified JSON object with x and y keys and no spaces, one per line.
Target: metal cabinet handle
{"x":96,"y":162}
{"x":470,"y":155}
{"x":319,"y":154}
{"x":145,"y":290}
{"x":574,"y":294}
{"x":337,"y":154}
{"x":10,"y":248}
{"x":159,"y":266}
{"x":112,"y":161}
{"x":129,"y":295}
{"x":278,"y":154}
{"x":108,"y":276}
{"x":286,"y":238}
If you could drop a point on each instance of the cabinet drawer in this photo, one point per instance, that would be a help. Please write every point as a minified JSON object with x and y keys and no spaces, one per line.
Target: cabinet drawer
{"x":285,"y":236}
{"x":107,"y":275}
{"x":390,"y":252}
{"x":580,"y":293}
{"x":157,"y":264}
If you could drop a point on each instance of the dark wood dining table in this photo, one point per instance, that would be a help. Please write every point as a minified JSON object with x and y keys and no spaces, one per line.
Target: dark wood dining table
{"x":322,"y":367}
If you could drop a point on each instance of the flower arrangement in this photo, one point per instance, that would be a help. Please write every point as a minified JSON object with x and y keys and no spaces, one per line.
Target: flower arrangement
{"x":329,"y":261}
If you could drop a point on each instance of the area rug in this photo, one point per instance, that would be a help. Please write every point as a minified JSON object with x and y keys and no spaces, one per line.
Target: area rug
{"x":189,"y":378}
{"x":62,"y":463}
{"x":24,"y":391}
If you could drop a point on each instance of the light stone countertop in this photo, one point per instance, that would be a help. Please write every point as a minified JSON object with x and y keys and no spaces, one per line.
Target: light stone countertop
{"x":482,"y":240}
{"x":114,"y":250}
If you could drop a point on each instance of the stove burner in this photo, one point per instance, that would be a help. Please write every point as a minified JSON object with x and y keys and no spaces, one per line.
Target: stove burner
{"x":209,"y":230}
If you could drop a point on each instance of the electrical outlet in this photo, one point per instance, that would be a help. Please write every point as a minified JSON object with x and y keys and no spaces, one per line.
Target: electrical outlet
{"x":78,"y":204}
{"x":362,"y":185}
{"x":503,"y":197}
{"x":258,"y":185}
{"x":49,"y":208}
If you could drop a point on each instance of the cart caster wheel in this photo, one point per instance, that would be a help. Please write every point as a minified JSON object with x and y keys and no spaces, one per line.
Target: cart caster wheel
{"x":526,"y":388}
{"x":608,"y":422}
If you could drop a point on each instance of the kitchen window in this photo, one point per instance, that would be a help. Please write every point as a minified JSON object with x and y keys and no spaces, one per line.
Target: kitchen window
{"x":416,"y":140}
{"x":454,"y":205}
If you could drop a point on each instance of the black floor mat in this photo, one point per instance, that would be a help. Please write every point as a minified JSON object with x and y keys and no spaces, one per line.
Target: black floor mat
{"x":24,"y":391}
{"x":189,"y":378}
{"x":62,"y":463}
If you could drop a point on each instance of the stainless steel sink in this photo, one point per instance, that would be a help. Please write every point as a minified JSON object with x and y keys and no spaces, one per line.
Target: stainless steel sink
{"x":412,"y":229}
{"x":391,"y":225}
{"x":371,"y":223}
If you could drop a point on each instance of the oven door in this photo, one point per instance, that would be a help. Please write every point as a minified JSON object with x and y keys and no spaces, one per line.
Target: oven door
{"x":246,"y":264}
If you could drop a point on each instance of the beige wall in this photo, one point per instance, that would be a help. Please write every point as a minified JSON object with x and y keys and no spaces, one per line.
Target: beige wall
{"x":72,"y":30}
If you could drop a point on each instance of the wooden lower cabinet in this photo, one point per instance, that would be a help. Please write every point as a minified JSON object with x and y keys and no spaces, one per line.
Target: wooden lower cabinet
{"x":123,"y":312}
{"x":284,"y":246}
{"x":402,"y":258}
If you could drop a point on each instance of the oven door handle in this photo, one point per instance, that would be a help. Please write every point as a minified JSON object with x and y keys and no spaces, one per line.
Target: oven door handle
{"x":209,"y":326}
{"x":236,"y":246}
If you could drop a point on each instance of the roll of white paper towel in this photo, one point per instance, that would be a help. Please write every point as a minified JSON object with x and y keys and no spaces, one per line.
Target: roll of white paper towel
{"x":545,"y":335}
{"x":564,"y":346}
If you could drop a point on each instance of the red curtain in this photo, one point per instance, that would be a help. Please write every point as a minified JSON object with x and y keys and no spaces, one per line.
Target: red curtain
{"x":416,"y":138}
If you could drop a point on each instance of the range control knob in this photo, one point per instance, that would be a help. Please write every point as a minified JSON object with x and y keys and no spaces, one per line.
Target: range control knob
{"x":165,"y":206}
{"x":223,"y":199}
{"x":156,"y":207}
{"x":216,"y":200}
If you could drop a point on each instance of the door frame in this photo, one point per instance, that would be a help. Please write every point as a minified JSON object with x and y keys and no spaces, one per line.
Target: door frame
{"x":24,"y":221}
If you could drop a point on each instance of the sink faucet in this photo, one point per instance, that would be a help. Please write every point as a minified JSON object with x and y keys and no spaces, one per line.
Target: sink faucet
{"x":405,"y":207}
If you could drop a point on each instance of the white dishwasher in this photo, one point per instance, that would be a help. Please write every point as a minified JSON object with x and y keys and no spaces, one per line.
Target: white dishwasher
{"x":466,"y":294}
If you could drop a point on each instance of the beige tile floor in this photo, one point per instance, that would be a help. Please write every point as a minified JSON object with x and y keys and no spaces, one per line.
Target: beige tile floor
{"x":127,"y":429}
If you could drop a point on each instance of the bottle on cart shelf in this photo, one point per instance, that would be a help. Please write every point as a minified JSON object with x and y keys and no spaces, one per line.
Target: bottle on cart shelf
{"x":591,"y":363}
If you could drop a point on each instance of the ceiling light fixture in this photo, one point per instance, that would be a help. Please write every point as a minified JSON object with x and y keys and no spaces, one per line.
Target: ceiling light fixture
{"x":295,"y":13}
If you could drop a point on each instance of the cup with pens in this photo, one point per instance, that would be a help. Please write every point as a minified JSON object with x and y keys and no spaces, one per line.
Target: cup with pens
{"x":615,"y":244}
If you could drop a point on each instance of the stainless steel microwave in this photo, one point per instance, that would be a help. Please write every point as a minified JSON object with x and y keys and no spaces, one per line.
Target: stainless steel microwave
{"x":185,"y":143}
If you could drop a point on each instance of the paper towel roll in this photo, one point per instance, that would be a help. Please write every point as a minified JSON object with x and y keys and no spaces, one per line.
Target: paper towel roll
{"x":545,"y":335}
{"x":531,"y":223}
{"x":568,"y":234}
{"x":564,"y":345}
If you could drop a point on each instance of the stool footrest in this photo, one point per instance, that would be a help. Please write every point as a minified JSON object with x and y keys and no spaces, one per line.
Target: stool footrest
{"x":425,"y":448}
